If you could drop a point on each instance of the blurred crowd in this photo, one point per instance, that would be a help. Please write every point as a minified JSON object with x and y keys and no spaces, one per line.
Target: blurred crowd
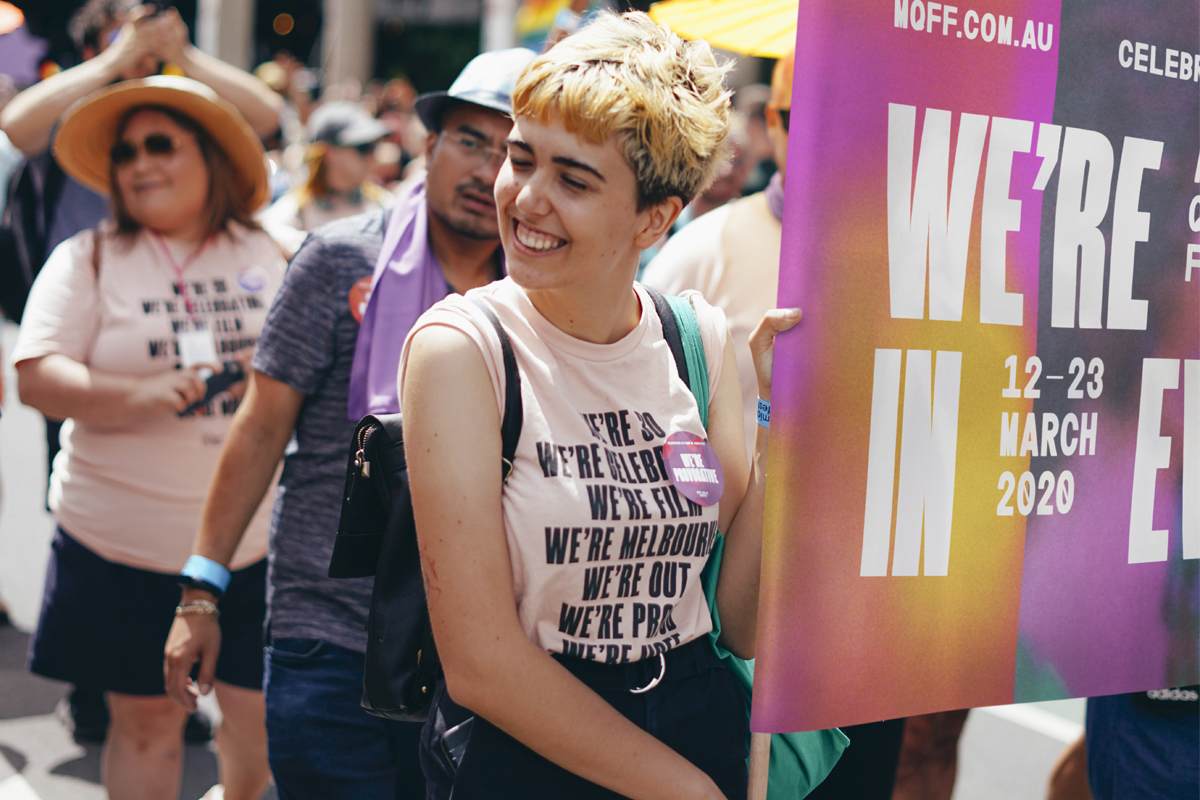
{"x":328,"y":159}
{"x":392,"y":152}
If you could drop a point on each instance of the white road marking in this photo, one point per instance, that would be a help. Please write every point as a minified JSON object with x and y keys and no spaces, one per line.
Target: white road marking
{"x":1036,"y":720}
{"x":15,"y":787}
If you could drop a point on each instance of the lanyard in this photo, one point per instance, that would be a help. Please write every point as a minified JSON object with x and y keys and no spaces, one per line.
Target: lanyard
{"x":178,"y":268}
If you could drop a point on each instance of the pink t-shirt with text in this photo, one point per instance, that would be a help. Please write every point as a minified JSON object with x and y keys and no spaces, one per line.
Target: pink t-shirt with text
{"x":606,"y":554}
{"x":133,"y":494}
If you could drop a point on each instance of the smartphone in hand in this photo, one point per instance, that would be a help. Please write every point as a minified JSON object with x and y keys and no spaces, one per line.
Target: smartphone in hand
{"x":232,"y":373}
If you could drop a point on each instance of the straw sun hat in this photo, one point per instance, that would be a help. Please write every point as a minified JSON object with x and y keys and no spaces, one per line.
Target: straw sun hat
{"x":89,"y":131}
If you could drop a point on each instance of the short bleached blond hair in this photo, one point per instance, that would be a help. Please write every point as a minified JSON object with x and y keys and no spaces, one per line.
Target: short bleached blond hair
{"x":662,"y":97}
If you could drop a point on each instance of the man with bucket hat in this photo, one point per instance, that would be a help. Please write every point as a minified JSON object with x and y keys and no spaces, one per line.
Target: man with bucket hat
{"x":328,"y":354}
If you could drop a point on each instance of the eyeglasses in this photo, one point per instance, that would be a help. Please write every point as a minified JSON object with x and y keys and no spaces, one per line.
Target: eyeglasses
{"x":365,"y":150}
{"x":156,"y":144}
{"x":473,"y":149}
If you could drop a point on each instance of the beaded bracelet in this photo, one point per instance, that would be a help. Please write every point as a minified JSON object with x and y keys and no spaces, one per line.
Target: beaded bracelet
{"x":197,"y":608}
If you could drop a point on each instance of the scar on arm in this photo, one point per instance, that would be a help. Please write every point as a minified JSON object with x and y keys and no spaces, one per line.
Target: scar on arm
{"x":431,"y":577}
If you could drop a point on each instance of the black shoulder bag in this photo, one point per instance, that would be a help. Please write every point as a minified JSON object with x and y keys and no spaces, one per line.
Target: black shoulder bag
{"x":32,"y":198}
{"x":377,"y":536}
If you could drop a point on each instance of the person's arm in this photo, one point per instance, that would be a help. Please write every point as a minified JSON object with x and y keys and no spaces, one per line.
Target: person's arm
{"x":58,"y":330}
{"x":61,"y":387}
{"x":742,"y":517}
{"x":453,"y":447}
{"x":257,"y":437}
{"x":257,"y":102}
{"x":29,"y":118}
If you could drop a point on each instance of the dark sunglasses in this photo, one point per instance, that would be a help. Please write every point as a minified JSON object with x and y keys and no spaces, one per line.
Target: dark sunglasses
{"x":156,"y":144}
{"x":784,"y":114}
{"x":365,"y":149}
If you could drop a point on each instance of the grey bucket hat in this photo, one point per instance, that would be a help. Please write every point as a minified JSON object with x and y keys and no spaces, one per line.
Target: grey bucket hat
{"x":487,"y":80}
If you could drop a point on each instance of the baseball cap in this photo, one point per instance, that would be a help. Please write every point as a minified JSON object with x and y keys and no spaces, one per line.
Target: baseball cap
{"x":344,"y":124}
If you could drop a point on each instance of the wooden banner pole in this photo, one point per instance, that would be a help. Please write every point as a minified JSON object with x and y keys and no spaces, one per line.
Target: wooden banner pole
{"x":760,"y":760}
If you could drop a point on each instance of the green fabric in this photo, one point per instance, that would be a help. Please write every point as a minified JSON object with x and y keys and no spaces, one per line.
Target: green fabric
{"x":799,"y":761}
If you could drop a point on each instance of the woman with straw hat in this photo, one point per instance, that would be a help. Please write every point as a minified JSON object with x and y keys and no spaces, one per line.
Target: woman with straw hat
{"x":129,"y":330}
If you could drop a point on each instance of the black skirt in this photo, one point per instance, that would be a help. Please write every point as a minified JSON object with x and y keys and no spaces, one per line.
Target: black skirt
{"x":698,"y":709}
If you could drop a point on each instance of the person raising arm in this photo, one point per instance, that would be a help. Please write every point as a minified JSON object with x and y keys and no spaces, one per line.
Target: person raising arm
{"x":142,"y":42}
{"x":119,"y":324}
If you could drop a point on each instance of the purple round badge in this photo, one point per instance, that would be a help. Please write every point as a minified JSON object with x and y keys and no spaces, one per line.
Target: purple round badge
{"x":693,"y":467}
{"x":253,"y":278}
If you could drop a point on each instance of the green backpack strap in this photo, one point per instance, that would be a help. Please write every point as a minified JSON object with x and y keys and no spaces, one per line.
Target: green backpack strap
{"x":682,"y":333}
{"x":693,"y":351}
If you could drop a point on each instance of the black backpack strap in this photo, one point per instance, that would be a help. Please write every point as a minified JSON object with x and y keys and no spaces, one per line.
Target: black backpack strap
{"x":514,"y":411}
{"x":52,"y":188}
{"x":670,"y":332}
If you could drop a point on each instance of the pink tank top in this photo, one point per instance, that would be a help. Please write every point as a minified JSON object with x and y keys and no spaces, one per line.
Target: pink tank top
{"x":606,"y":554}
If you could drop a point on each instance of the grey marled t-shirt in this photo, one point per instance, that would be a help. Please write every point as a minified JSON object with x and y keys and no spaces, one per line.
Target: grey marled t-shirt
{"x":308,"y":343}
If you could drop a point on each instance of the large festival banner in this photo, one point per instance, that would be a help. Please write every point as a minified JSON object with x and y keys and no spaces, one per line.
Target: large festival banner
{"x":984,"y":468}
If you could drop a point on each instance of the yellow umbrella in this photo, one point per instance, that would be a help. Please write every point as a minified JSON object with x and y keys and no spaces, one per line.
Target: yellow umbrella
{"x":752,"y":27}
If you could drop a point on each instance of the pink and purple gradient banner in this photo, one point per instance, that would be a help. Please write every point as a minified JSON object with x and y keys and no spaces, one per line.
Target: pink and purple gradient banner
{"x":986,"y":429}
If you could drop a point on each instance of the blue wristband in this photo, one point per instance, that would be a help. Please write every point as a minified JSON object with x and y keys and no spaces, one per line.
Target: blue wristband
{"x":207,"y":571}
{"x":764,"y":413}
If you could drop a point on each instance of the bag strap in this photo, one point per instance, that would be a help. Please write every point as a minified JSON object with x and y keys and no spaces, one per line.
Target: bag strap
{"x":693,"y":348}
{"x":682,"y":332}
{"x":514,"y":411}
{"x":96,"y":252}
{"x":666,"y":315}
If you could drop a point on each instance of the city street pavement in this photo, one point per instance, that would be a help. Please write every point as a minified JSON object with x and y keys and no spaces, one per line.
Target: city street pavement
{"x":38,"y":758}
{"x":1006,"y":753}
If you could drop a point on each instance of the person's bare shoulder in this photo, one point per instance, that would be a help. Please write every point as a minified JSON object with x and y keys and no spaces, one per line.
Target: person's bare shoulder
{"x":689,"y":258}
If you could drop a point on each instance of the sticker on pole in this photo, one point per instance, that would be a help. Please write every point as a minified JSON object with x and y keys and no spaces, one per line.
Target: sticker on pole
{"x":693,"y":467}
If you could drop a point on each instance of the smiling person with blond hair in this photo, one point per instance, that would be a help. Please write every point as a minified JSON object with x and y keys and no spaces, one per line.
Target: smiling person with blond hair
{"x":550,"y":692}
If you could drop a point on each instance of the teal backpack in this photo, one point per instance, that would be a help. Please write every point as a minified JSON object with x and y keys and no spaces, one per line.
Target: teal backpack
{"x":799,"y":761}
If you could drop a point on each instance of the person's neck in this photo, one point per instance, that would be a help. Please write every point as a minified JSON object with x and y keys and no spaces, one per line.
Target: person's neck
{"x":332,"y":198}
{"x":599,"y":314}
{"x":187,"y":236}
{"x":700,"y":206}
{"x":466,"y":263}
